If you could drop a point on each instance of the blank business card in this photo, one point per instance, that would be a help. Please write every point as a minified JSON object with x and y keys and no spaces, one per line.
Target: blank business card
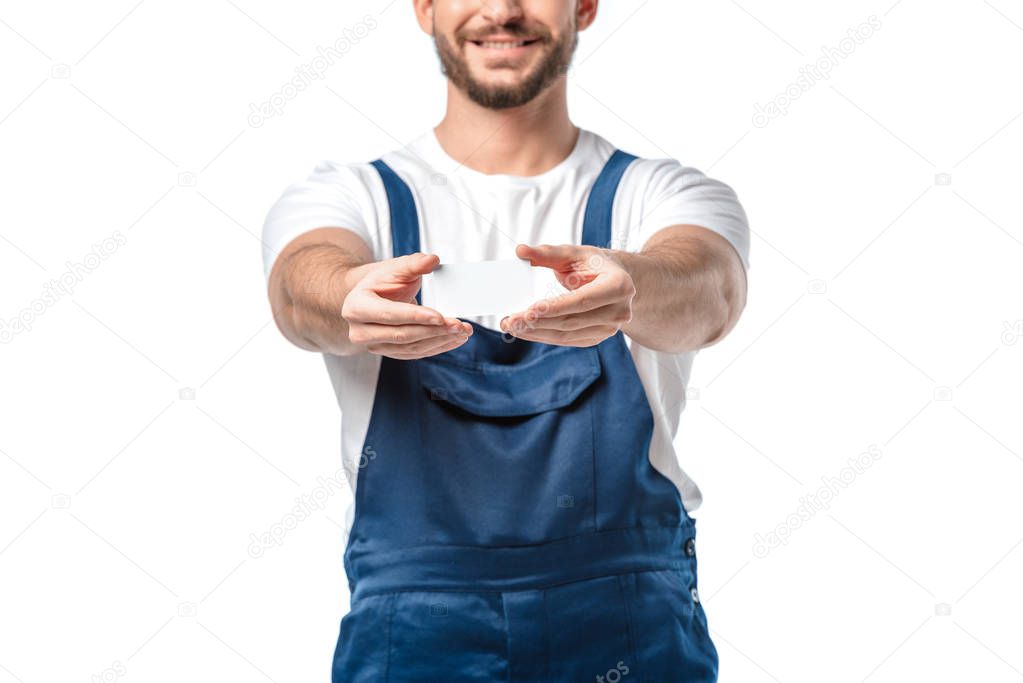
{"x":479,"y":288}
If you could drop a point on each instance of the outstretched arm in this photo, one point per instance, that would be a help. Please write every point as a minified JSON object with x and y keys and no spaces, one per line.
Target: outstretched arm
{"x":328,"y":295}
{"x":684,"y":291}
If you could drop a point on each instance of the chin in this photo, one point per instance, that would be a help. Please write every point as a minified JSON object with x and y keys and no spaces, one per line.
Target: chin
{"x":496,"y":85}
{"x":503,"y":77}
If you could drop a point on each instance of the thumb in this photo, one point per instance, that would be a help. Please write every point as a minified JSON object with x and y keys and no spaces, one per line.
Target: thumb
{"x":411,"y":266}
{"x":549,"y":255}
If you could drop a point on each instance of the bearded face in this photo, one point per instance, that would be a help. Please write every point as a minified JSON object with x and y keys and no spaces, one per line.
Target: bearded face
{"x":506,"y":63}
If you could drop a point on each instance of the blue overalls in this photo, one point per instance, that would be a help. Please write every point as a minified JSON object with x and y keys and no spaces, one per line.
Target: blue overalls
{"x":509,"y":525}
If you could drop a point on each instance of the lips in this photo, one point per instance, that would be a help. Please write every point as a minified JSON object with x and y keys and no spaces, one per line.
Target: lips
{"x":497,"y":45}
{"x":503,"y":43}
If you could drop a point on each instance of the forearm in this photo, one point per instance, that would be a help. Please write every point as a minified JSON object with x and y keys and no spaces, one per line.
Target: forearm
{"x":307,"y":290}
{"x":690,"y":290}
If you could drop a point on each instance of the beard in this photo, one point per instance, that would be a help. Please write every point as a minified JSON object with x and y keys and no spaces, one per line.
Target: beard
{"x":556,"y":59}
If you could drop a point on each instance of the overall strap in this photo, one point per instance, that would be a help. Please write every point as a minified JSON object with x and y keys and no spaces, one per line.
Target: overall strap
{"x":404,"y":219}
{"x":597,"y":219}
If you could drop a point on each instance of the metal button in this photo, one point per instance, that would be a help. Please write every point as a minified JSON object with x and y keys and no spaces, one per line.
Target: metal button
{"x":691,"y":547}
{"x":696,"y":596}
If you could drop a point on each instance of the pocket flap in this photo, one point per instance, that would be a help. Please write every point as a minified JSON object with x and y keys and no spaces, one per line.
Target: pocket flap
{"x":551,"y":379}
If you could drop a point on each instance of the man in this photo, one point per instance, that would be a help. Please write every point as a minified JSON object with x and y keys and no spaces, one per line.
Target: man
{"x":520,"y":514}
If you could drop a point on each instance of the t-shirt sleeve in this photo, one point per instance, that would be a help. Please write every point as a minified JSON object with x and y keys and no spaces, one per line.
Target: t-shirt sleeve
{"x":673,"y":194}
{"x":333,"y":196}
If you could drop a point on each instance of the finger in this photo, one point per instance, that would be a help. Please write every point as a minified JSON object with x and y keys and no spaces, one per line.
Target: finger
{"x":587,"y":336}
{"x":447,"y":320}
{"x":374,"y":333}
{"x":373,"y":308}
{"x":549,"y":255}
{"x":610,"y":314}
{"x":443,"y":347}
{"x":426,"y":347}
{"x":590,"y":296}
{"x":414,"y":348}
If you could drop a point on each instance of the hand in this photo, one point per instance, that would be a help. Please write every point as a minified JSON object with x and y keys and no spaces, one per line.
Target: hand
{"x":384,"y":318}
{"x":598,"y":305}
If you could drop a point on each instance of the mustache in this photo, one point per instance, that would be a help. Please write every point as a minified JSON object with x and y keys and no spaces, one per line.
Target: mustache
{"x":515,"y":30}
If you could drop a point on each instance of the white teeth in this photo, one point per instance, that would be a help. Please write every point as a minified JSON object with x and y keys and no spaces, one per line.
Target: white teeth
{"x":502,"y":46}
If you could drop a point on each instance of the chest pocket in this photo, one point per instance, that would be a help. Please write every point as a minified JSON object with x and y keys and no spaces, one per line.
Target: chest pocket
{"x":509,"y":436}
{"x":550,"y":380}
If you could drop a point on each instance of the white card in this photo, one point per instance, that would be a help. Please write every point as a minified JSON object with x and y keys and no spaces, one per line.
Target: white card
{"x":479,"y":288}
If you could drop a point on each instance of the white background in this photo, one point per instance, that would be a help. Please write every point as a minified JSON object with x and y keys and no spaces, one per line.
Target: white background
{"x":884,"y":311}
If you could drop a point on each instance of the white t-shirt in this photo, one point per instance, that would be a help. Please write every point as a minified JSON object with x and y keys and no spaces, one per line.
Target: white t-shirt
{"x":466,"y":215}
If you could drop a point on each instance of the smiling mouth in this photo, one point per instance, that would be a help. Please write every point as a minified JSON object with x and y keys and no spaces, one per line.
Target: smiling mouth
{"x":503,"y":44}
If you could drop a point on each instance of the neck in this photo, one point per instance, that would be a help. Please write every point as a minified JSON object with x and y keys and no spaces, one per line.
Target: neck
{"x":522,"y":141}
